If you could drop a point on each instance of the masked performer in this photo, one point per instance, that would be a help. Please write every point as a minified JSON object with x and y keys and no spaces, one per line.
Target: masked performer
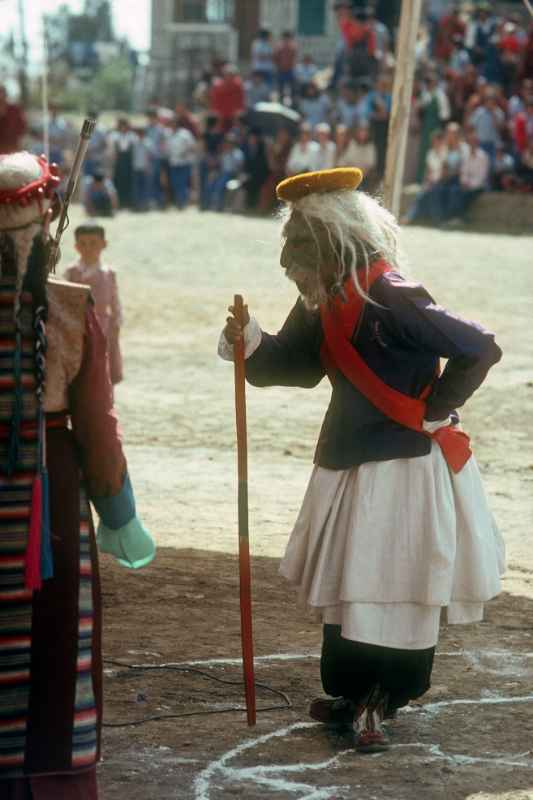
{"x":395,"y":523}
{"x":59,"y":447}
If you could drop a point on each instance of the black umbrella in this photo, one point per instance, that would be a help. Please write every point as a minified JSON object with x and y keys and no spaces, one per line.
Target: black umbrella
{"x":270,"y":117}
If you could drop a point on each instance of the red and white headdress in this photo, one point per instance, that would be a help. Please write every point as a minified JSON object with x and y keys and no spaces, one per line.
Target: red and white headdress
{"x":27,"y":186}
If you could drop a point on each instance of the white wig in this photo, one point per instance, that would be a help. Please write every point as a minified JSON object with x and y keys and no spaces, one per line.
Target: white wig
{"x":359,"y":228}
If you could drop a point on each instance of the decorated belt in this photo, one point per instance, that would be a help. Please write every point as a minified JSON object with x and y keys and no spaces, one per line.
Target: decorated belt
{"x":29,"y":430}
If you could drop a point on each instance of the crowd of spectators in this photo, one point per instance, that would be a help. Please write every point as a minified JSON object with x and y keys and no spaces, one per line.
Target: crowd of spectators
{"x":471,"y":121}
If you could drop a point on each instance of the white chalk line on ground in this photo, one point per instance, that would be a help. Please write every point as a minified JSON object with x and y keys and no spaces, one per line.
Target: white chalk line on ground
{"x":271,"y":776}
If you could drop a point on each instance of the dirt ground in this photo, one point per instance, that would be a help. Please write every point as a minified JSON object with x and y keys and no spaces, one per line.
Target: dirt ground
{"x":471,"y":736}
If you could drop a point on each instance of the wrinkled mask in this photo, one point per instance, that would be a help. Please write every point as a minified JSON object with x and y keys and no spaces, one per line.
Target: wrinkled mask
{"x":308,"y":258}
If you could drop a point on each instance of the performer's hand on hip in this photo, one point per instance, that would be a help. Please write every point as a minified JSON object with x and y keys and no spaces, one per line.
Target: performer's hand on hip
{"x":233,"y":330}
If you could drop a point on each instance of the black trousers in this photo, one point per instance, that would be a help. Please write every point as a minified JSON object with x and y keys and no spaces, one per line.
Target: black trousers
{"x":351,"y":669}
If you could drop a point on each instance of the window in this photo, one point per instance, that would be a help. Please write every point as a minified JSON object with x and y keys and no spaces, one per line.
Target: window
{"x":203,"y":10}
{"x":311,"y":17}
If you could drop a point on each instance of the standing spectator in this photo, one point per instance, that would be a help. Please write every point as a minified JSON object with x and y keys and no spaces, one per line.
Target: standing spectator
{"x":187,"y":120}
{"x":60,"y":135}
{"x":157,"y":135}
{"x":326,"y":147}
{"x":305,"y":72}
{"x":449,"y":25}
{"x":474,"y":177}
{"x":263,"y":55}
{"x":479,"y":33}
{"x":210,"y":145}
{"x":304,"y":153}
{"x":517,"y":102}
{"x":12,"y":124}
{"x":122,"y":141}
{"x":459,"y":58}
{"x":434,"y":109}
{"x":488,"y":121}
{"x":143,"y":153}
{"x":380,"y":102}
{"x":511,"y":47}
{"x":181,"y":156}
{"x":382,"y":35}
{"x":230,"y":163}
{"x":227,"y":97}
{"x":285,"y":55}
{"x":359,"y":39}
{"x":314,"y":105}
{"x":526,"y":68}
{"x":97,"y":148}
{"x":523,"y":127}
{"x":278,"y":153}
{"x":363,"y":152}
{"x":255,"y":167}
{"x":257,"y":90}
{"x":525,"y":167}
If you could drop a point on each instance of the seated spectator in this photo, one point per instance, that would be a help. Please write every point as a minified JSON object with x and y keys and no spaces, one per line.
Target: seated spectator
{"x":525,"y":168}
{"x":181,"y":156}
{"x":98,"y":195}
{"x":517,"y":102}
{"x":427,"y":204}
{"x":229,"y":166}
{"x":226,"y":97}
{"x":511,"y":47}
{"x":434,"y":110}
{"x":304,"y":72}
{"x":304,"y":153}
{"x":314,"y":105}
{"x":363,"y":151}
{"x":285,"y":55}
{"x":474,"y":177}
{"x":255,"y":167}
{"x":350,"y":110}
{"x":257,"y":90}
{"x":504,"y":178}
{"x":380,"y":103}
{"x":278,"y":153}
{"x":459,"y":58}
{"x":97,"y":148}
{"x":480,"y":31}
{"x":326,"y":147}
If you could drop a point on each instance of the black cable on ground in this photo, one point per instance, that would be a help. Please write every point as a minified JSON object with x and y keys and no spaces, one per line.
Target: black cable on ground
{"x":179,"y":668}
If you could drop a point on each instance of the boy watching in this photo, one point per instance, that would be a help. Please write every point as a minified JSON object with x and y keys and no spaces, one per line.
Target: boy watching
{"x":90,"y":243}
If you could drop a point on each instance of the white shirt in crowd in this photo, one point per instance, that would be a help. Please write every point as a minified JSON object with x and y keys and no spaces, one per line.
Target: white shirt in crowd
{"x":325,"y":158}
{"x":303,"y":158}
{"x":181,"y":148}
{"x":475,"y":170}
{"x":143,"y":152}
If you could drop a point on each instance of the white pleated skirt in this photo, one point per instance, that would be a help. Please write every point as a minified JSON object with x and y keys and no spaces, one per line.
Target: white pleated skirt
{"x":381,"y":548}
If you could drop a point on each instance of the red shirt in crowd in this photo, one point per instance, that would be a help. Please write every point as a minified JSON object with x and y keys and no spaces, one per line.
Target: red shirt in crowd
{"x":285,"y":55}
{"x":12,"y":128}
{"x":226,"y":97}
{"x":449,"y":26}
{"x":353,"y":32}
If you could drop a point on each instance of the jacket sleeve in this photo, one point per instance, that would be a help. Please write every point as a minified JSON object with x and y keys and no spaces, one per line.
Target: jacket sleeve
{"x":291,"y":357}
{"x":425,"y":326}
{"x":94,"y":422}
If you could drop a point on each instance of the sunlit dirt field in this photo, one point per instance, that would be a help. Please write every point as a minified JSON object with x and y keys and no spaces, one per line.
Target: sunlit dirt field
{"x":472,"y":735}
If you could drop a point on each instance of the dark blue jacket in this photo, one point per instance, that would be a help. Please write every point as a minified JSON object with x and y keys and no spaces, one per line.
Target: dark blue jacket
{"x":402,"y":341}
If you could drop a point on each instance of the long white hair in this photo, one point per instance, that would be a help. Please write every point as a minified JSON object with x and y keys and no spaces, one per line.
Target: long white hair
{"x":360,"y":230}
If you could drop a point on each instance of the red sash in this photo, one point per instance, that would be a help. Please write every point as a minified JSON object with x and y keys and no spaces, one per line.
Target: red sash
{"x":339,"y":321}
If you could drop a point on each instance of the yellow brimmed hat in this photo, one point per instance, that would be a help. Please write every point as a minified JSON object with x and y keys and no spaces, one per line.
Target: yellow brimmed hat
{"x":325,"y":180}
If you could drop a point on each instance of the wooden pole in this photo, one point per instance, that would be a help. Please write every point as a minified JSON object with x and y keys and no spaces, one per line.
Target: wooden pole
{"x":401,"y":104}
{"x":245,"y":578}
{"x":529,"y":7}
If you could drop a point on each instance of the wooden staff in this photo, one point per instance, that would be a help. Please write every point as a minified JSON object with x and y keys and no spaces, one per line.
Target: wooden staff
{"x":244,"y":545}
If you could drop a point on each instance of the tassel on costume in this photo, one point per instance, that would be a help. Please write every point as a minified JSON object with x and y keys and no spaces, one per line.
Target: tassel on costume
{"x":47,"y":561}
{"x":32,"y":577}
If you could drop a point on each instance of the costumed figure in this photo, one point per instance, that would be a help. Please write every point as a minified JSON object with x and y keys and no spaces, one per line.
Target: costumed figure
{"x":395,"y":523}
{"x":59,"y":447}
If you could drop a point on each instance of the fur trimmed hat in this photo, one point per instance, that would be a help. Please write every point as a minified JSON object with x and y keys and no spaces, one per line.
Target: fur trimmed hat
{"x":325,"y":180}
{"x":27,"y":186}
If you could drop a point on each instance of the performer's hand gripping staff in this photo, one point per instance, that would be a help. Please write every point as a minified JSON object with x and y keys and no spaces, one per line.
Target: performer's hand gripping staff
{"x":234,"y":334}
